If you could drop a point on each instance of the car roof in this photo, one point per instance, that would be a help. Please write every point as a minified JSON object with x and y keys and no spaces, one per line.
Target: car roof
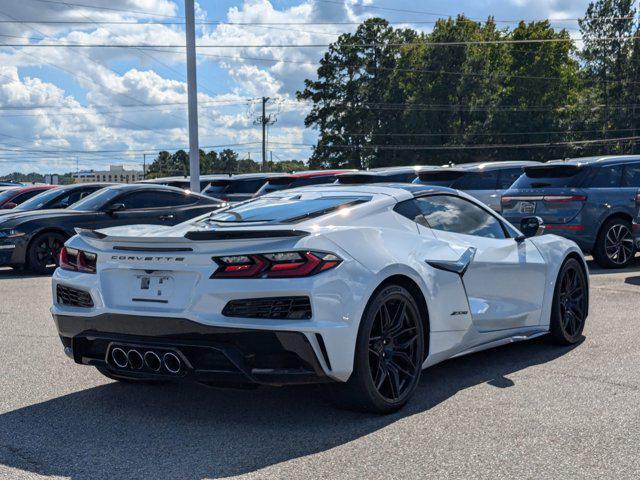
{"x":405,"y":190}
{"x":144,"y":186}
{"x":393,"y":170}
{"x":313,"y":173}
{"x":181,"y":178}
{"x":28,"y":188}
{"x":88,"y":184}
{"x":251,"y":176}
{"x":602,"y":159}
{"x":490,"y":166}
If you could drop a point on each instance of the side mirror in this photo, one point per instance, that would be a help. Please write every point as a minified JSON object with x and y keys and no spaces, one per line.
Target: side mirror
{"x":9,"y":206}
{"x":531,"y":226}
{"x":115,"y":207}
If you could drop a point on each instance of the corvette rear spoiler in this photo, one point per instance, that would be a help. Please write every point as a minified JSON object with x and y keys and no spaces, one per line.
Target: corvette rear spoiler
{"x":197,"y":235}
{"x":242,"y":234}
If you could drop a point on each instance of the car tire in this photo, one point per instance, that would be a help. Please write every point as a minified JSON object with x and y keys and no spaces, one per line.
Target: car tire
{"x":388,"y":355}
{"x":44,"y":250}
{"x":147,"y":381}
{"x":570,"y":304}
{"x":614,"y":246}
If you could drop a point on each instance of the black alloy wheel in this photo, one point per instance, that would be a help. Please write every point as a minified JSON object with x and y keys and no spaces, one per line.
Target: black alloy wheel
{"x":394,"y":362}
{"x":389,"y":353}
{"x":614,"y":247}
{"x":570,"y":304}
{"x":44,"y":251}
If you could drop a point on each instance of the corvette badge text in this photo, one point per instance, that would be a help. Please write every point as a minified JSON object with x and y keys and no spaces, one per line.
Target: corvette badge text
{"x":134,"y":258}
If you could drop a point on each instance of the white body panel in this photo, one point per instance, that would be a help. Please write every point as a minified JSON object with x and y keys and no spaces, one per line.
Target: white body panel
{"x":505,"y":295}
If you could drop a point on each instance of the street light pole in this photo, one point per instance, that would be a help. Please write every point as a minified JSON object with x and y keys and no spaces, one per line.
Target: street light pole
{"x":192,"y":95}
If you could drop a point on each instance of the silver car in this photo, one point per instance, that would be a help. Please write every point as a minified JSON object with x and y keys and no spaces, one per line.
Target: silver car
{"x":486,"y":181}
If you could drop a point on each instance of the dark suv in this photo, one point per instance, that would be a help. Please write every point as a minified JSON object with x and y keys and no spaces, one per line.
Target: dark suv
{"x":589,"y":200}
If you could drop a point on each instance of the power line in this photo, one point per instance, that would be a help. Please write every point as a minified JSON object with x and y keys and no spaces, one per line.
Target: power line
{"x":159,"y":104}
{"x":463,"y":147}
{"x":326,"y":45}
{"x":78,"y":75}
{"x":370,"y":7}
{"x":160,"y":62}
{"x":107,"y":151}
{"x":109,"y":9}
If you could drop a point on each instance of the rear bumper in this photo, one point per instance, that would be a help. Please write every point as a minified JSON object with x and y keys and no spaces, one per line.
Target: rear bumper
{"x":573,"y":230}
{"x":210,"y":354}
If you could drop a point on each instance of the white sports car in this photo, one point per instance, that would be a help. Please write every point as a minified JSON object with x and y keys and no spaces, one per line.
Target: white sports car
{"x":359,"y":286}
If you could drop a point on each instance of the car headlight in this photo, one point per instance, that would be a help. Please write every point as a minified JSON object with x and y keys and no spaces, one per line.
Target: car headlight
{"x":10,"y":233}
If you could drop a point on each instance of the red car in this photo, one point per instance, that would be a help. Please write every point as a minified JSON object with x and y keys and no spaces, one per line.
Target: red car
{"x":299,"y":179}
{"x":13,"y":196}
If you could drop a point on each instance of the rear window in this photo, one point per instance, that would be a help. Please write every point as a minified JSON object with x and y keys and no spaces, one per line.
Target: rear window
{"x":231,"y":186}
{"x":609,"y":176}
{"x":477,"y":181}
{"x":359,"y":179}
{"x":441,"y":178}
{"x":217,"y":186}
{"x":286,"y":209}
{"x":556,"y":176}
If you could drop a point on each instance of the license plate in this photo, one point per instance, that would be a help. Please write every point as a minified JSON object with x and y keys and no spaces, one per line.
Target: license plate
{"x":527,"y":207}
{"x":153,"y":288}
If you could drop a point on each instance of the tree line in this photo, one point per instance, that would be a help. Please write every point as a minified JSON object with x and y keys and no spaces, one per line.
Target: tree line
{"x":472,"y":91}
{"x":226,"y":161}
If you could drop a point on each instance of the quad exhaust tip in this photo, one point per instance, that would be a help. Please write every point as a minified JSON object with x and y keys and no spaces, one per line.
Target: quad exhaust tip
{"x":152,"y":361}
{"x":119,"y":357}
{"x":172,"y":363}
{"x":135,"y":359}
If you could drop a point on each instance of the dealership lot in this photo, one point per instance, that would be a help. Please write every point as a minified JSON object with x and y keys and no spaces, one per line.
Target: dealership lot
{"x":526,"y":410}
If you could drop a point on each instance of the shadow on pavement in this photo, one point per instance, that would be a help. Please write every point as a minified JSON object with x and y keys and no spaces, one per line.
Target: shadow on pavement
{"x":193,"y":432}
{"x":11,"y":274}
{"x":595,"y":269}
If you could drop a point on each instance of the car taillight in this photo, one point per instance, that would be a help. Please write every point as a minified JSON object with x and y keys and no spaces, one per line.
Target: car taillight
{"x":78,"y":260}
{"x":564,"y":198}
{"x":274,"y":265}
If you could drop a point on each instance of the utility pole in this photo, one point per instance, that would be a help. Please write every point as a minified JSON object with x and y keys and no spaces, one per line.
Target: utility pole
{"x":192,"y":96}
{"x":264,"y":121}
{"x":264,"y":136}
{"x":144,"y":166}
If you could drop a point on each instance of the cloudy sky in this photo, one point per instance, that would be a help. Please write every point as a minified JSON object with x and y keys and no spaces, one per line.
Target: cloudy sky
{"x":91,"y":107}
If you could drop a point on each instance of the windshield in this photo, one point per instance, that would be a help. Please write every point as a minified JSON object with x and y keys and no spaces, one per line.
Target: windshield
{"x":42,"y":199}
{"x":554,"y":176}
{"x":284,"y":209}
{"x":96,"y":200}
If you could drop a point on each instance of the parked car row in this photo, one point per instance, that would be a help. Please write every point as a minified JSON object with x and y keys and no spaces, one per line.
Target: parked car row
{"x":34,"y":238}
{"x":593,"y":201}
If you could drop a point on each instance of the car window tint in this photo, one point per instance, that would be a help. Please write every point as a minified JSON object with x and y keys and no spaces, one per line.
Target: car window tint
{"x":151,"y":199}
{"x":245,"y":186}
{"x":551,"y":176}
{"x":316,"y":180}
{"x":477,"y":181}
{"x":631,"y":175}
{"x":508,"y":176}
{"x":410,"y":210}
{"x":457,"y":215}
{"x":609,"y":176}
{"x":288,"y":208}
{"x":23,"y":197}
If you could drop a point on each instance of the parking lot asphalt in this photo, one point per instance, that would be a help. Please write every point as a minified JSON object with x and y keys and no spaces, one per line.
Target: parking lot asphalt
{"x":527,"y":410}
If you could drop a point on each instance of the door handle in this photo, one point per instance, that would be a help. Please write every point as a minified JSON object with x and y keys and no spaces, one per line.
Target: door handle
{"x":171,"y":216}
